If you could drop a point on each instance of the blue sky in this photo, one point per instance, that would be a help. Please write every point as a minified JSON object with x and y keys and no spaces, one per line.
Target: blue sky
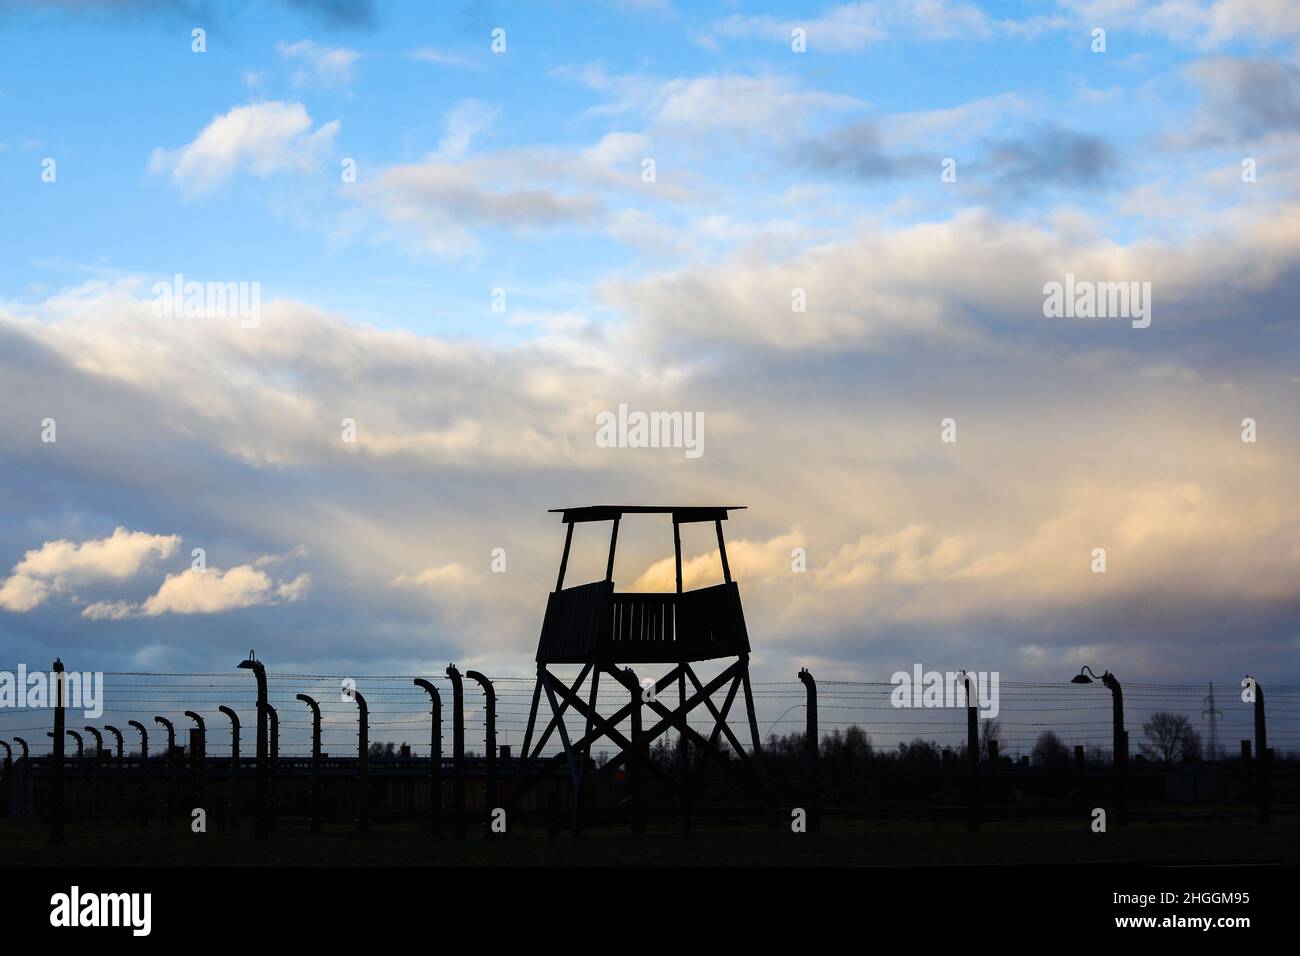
{"x":774,"y":171}
{"x":130,"y":84}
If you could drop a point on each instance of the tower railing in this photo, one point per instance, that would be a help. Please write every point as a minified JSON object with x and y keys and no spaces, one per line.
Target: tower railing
{"x":644,"y":626}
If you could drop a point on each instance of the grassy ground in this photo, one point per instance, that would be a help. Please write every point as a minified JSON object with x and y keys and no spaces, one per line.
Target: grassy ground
{"x":844,"y":843}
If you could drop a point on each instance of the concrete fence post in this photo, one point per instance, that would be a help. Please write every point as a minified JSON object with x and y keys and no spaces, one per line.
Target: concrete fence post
{"x":435,"y":758}
{"x":232,"y":795}
{"x":24,"y":803}
{"x":144,"y":770}
{"x":363,"y":762}
{"x":315,"y":761}
{"x":96,"y":776}
{"x":6,"y":783}
{"x":198,"y":758}
{"x":261,"y":827}
{"x":56,"y":798}
{"x":811,"y":740}
{"x":490,"y":724}
{"x":118,"y":781}
{"x":457,"y":754}
{"x":169,"y":769}
{"x":1262,"y":814}
{"x":271,"y":784}
{"x":972,"y":756}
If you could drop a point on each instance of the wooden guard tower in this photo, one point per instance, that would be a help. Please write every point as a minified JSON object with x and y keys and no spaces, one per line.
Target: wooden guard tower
{"x":599,"y":628}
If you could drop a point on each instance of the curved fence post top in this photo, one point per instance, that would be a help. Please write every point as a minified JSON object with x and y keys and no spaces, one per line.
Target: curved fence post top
{"x":430,"y":689}
{"x":197,"y":718}
{"x":144,"y":735}
{"x":171,"y":731}
{"x":229,"y":712}
{"x":22,"y":743}
{"x":99,"y":738}
{"x":118,"y":735}
{"x":805,"y":675}
{"x":315,"y":707}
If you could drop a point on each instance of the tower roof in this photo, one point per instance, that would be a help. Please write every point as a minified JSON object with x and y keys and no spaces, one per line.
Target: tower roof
{"x":682,"y":514}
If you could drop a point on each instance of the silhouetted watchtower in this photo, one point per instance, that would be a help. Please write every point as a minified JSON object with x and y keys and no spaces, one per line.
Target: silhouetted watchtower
{"x":599,"y":628}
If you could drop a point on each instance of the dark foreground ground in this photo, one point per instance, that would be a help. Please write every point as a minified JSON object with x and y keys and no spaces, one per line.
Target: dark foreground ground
{"x":842,"y":843}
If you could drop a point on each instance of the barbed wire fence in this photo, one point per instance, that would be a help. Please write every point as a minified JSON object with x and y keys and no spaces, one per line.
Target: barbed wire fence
{"x":399,"y":710}
{"x":1080,"y":716}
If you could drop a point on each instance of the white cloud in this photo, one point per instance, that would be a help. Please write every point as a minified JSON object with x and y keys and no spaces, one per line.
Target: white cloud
{"x":21,"y":593}
{"x":771,"y":107}
{"x":443,"y":202}
{"x":59,"y":565}
{"x":963,"y":281}
{"x":1065,"y":444}
{"x":1204,"y":23}
{"x":953,"y":124}
{"x":108,"y":610}
{"x":440,"y":204}
{"x":213,"y":590}
{"x":852,"y":27}
{"x":322,"y":65}
{"x":427,"y":54}
{"x":651,"y":6}
{"x":407,"y":392}
{"x":849,"y":27}
{"x":467,"y":119}
{"x":451,"y":575}
{"x":118,"y":556}
{"x":294,"y":590}
{"x":264,"y":138}
{"x":1157,"y":536}
{"x":764,"y":105}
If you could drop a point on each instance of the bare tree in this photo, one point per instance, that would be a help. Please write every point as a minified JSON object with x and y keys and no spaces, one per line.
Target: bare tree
{"x":923,"y":752}
{"x":990,"y":732}
{"x":854,"y":742}
{"x":1099,"y":756}
{"x":1049,"y":751}
{"x":1170,"y":738}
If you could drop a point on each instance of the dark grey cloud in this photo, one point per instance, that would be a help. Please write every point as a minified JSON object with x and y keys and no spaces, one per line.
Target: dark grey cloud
{"x":1039,"y":156}
{"x":1049,"y":155}
{"x":345,"y":13}
{"x":857,"y":152}
{"x":154,"y":436}
{"x":126,"y":12}
{"x":1246,"y":98}
{"x":476,"y":16}
{"x":334,"y":13}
